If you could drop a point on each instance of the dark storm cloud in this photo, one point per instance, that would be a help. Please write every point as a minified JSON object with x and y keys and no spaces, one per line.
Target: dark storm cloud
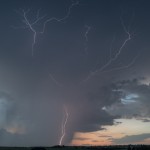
{"x":94,"y":121}
{"x":89,"y":116}
{"x":89,"y":120}
{"x":133,"y":100}
{"x":37,"y":100}
{"x":132,"y":139}
{"x":81,"y":139}
{"x":144,"y":120}
{"x":121,"y":99}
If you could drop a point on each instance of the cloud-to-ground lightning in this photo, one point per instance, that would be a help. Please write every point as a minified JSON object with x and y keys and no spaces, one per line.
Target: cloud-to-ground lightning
{"x":30,"y":25}
{"x":64,"y":123}
{"x":114,"y":58}
{"x":88,"y":28}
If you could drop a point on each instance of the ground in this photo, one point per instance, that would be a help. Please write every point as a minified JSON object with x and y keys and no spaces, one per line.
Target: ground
{"x":120,"y":147}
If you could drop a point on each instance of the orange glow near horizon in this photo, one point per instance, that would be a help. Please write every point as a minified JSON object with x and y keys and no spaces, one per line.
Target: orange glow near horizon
{"x":15,"y":130}
{"x":89,"y":139}
{"x":105,"y":137}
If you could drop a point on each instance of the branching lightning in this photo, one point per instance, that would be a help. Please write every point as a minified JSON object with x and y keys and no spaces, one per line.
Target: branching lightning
{"x":64,"y":123}
{"x":30,"y":25}
{"x":74,"y":3}
{"x":125,"y":66}
{"x":112,"y":59}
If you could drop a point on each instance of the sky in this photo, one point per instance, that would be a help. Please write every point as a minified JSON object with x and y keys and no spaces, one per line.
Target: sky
{"x":74,"y":72}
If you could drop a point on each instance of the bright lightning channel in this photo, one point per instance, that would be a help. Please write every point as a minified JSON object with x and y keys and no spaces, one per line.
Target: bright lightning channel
{"x":30,"y":25}
{"x":64,"y":123}
{"x":112,"y":59}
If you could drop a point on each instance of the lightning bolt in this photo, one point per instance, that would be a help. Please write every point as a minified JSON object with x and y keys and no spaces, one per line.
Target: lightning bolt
{"x":64,"y":123}
{"x":74,"y":3}
{"x":112,"y":59}
{"x":125,"y":66}
{"x":31,"y":28}
{"x":30,"y":25}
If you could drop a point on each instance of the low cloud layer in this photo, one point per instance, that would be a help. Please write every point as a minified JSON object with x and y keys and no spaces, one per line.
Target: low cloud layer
{"x":132,"y":139}
{"x":133,"y":100}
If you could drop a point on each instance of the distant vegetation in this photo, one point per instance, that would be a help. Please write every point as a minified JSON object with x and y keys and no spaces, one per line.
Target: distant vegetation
{"x":117,"y":147}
